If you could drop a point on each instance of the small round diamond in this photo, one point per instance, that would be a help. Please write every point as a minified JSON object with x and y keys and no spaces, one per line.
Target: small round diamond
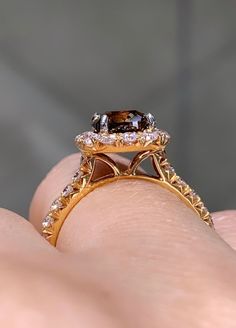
{"x":88,"y":141}
{"x":147,"y":137}
{"x":193,"y":194}
{"x":164,"y":137}
{"x":167,"y":136}
{"x":172,"y":171}
{"x":77,"y":176}
{"x":67,"y":191}
{"x":78,"y":138}
{"x":87,"y":138}
{"x":107,"y":139}
{"x":183,"y":186}
{"x":155,"y":134}
{"x":56,"y":205}
{"x":47,"y":222}
{"x":204,"y":211}
{"x":181,"y":183}
{"x":129,"y":137}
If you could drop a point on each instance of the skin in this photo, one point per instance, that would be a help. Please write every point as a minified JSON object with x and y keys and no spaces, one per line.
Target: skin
{"x":130,"y":254}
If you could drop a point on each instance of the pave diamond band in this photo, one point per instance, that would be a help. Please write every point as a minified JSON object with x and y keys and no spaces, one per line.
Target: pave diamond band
{"x":124,"y":132}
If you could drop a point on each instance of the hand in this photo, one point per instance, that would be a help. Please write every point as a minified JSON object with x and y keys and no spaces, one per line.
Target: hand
{"x":131,"y":254}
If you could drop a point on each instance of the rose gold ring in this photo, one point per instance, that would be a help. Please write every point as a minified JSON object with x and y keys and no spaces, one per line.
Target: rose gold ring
{"x":114,"y":132}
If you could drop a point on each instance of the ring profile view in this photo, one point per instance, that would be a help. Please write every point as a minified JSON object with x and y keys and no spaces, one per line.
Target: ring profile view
{"x":114,"y":132}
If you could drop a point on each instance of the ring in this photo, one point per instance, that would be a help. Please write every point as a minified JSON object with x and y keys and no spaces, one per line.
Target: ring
{"x":115,"y":132}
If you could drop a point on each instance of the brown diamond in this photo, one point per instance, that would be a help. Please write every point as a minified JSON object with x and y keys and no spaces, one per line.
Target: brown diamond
{"x":123,"y":121}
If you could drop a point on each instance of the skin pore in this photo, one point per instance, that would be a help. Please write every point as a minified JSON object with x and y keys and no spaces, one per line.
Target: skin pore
{"x":130,"y":254}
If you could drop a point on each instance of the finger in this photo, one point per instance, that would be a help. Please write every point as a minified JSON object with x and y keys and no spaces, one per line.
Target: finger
{"x":142,"y":236}
{"x":31,"y":273}
{"x":18,"y":235}
{"x":149,"y":250}
{"x":225,"y":225}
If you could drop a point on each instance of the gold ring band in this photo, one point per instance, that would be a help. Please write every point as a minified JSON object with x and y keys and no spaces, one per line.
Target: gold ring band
{"x":123,"y":131}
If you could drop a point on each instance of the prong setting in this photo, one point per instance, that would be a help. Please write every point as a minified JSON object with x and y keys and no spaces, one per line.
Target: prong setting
{"x":151,"y":120}
{"x":96,"y":121}
{"x":104,"y":124}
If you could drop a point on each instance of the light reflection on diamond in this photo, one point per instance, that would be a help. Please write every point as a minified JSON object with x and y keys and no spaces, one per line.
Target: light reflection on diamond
{"x":77,"y":176}
{"x":67,"y":191}
{"x":56,"y":205}
{"x":129,"y":137}
{"x":107,"y":139}
{"x":47,"y":222}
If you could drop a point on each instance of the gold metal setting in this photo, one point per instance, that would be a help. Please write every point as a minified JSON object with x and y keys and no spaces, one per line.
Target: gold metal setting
{"x":149,"y":145}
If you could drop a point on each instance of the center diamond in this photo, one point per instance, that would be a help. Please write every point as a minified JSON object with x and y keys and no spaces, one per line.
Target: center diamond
{"x":123,"y":121}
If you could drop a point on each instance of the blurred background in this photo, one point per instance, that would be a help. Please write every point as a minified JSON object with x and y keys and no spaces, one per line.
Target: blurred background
{"x":62,"y":60}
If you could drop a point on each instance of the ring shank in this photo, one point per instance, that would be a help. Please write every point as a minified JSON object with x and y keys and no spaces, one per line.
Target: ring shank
{"x":76,"y":198}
